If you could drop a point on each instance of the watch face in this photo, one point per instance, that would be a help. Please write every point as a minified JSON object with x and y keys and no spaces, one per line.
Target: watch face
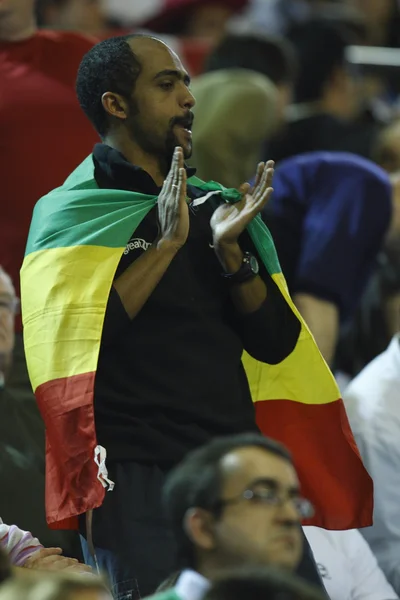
{"x":254,"y":266}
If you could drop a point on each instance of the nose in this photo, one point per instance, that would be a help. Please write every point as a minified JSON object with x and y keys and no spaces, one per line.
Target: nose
{"x":188,"y":100}
{"x":288,"y":512}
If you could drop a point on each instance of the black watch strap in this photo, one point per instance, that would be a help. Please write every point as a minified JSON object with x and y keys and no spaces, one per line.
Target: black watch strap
{"x":247,"y":271}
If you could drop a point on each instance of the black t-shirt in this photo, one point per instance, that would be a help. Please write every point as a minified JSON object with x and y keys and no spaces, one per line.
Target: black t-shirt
{"x":172,"y":377}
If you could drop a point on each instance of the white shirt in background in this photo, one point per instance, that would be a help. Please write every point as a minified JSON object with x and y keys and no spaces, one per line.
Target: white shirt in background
{"x":347,"y":566}
{"x":372,"y":403}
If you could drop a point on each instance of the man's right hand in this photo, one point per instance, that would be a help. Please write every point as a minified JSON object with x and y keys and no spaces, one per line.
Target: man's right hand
{"x":51,"y":559}
{"x":173,"y":211}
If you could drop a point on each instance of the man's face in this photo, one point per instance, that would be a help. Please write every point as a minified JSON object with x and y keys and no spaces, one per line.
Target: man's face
{"x":160,"y":116}
{"x":7,"y":314}
{"x":251,"y":531}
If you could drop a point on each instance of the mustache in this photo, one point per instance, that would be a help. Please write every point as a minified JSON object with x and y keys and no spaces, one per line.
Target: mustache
{"x":184,"y":121}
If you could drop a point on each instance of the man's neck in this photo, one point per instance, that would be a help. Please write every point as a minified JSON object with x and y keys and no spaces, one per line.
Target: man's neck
{"x":13,"y":28}
{"x":138,"y":157}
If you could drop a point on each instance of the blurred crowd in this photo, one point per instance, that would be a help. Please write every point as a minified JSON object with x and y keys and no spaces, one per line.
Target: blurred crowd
{"x":313,"y":85}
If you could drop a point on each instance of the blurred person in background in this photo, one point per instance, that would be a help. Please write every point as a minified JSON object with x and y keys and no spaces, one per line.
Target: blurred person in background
{"x":241,"y":101}
{"x":83,"y":16}
{"x":327,"y":102}
{"x":22,"y":443}
{"x":347,"y":565}
{"x":234,"y":502}
{"x":261,"y":584}
{"x":382,"y":21}
{"x":278,"y":17}
{"x":44,"y":133}
{"x":197,"y":19}
{"x":387,"y":155}
{"x":58,"y":586}
{"x":377,"y":318}
{"x":330,"y":215}
{"x":372,"y":405}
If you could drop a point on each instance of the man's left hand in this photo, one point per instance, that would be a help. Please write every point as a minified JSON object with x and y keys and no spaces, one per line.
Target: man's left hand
{"x":230,"y":220}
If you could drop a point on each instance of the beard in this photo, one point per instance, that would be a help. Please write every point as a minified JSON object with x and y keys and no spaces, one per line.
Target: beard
{"x":149,"y":138}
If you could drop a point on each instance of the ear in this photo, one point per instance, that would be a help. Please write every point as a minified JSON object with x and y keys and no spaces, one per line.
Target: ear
{"x":115,"y":105}
{"x":198,"y":525}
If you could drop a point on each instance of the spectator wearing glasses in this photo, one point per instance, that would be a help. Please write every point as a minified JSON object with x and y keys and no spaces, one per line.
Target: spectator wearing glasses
{"x":234,"y":502}
{"x":9,"y":305}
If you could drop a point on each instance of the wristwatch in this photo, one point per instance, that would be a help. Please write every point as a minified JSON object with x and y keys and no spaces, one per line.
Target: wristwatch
{"x":249,"y":269}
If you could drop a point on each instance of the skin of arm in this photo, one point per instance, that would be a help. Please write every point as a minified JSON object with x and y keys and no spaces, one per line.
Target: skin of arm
{"x":322,"y":317}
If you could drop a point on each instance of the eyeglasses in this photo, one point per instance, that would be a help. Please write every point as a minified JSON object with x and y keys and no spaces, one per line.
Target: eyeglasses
{"x":10,"y":305}
{"x":271,"y":497}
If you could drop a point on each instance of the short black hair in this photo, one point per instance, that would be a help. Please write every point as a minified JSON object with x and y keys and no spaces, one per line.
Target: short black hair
{"x":321,"y":49}
{"x":110,"y":66}
{"x":271,"y":56}
{"x":262,"y":584}
{"x":197,"y":482}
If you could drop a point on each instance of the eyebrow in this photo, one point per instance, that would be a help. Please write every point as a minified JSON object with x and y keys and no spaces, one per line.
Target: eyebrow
{"x":274,"y":484}
{"x":180,"y":75}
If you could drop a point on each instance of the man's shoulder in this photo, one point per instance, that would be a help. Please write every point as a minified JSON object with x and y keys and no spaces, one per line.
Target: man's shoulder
{"x":167,"y":595}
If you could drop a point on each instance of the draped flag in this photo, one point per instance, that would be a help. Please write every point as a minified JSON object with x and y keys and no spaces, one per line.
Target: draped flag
{"x":77,"y":237}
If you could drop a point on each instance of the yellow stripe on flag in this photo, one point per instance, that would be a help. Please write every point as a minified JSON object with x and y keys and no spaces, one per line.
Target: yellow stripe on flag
{"x":302,"y":377}
{"x":63,"y":317}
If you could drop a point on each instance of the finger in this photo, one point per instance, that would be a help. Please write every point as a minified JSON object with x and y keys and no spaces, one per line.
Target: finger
{"x":270,"y":172}
{"x":261,"y":183}
{"x":47,"y":552}
{"x":181,"y":162}
{"x":259,"y":205}
{"x":266,"y":176}
{"x":259,"y":189}
{"x":178,"y":167}
{"x":259,"y":172}
{"x":80,"y":568}
{"x":171,"y":174}
{"x":244,"y":189}
{"x":52,"y":560}
{"x":182,"y":192}
{"x":45,"y":564}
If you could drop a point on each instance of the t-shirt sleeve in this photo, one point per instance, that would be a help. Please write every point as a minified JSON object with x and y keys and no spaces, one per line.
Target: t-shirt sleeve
{"x":19,"y":545}
{"x":348,"y":214}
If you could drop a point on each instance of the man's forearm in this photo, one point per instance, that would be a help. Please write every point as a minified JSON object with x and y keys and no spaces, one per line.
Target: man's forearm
{"x":249,"y":296}
{"x":138,"y":282}
{"x":322,"y":317}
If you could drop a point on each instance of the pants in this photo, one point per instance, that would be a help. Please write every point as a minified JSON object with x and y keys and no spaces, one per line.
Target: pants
{"x":134,"y":546}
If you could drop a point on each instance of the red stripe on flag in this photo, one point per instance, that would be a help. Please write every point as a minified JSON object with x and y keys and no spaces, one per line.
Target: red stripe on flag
{"x":72,"y":486}
{"x":326,"y":458}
